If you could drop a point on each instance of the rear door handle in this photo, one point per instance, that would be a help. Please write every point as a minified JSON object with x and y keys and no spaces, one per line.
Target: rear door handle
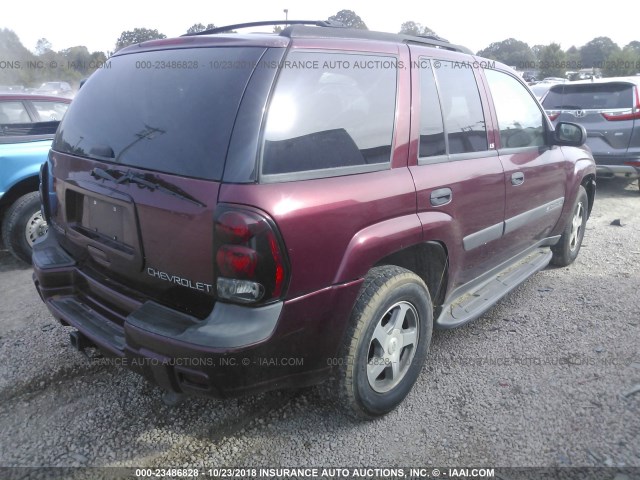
{"x":441,"y":196}
{"x":517,"y":178}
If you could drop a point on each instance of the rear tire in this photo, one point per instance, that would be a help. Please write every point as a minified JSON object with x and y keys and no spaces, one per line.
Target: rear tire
{"x":386,"y":343}
{"x":23,"y":224}
{"x":566,"y":250}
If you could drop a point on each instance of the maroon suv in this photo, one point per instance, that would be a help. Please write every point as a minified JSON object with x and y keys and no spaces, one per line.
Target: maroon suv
{"x":238,"y":213}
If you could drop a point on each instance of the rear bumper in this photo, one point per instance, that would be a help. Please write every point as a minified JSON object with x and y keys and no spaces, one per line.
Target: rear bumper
{"x":609,"y":167}
{"x":234,"y":351}
{"x":609,"y":171}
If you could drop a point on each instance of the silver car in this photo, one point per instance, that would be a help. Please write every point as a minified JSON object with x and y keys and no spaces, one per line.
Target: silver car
{"x":609,"y":109}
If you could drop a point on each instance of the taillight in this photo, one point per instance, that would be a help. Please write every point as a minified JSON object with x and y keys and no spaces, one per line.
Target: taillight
{"x":250,"y":266}
{"x":553,"y":114}
{"x":632,"y":113}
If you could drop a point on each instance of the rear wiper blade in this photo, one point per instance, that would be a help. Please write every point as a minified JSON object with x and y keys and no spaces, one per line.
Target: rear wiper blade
{"x":103,"y":174}
{"x":120,"y":177}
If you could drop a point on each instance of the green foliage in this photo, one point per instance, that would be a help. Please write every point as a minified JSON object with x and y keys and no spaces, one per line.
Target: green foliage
{"x":594,"y":53}
{"x":552,"y":61}
{"x":199,"y":27}
{"x":22,"y":67}
{"x":622,"y":63}
{"x":635,"y":46}
{"x":511,"y":52}
{"x":349,"y":19}
{"x":413,"y":28}
{"x":43,"y":46}
{"x":137,"y":35}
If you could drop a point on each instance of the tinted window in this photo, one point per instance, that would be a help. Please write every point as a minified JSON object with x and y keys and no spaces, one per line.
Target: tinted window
{"x":461,"y":107}
{"x":50,"y":111}
{"x":177,"y":119}
{"x":589,"y":96}
{"x":519,"y":118}
{"x":328,"y":111}
{"x":13,"y":112}
{"x":431,"y":126}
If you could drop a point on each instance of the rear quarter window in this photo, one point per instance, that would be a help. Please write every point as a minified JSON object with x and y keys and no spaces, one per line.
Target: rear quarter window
{"x":330,"y":114}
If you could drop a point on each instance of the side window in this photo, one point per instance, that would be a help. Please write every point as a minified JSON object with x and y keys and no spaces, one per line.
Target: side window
{"x":431,"y":127}
{"x":461,"y":107}
{"x":13,"y":112}
{"x":50,"y":111}
{"x":328,"y":111}
{"x":519,"y":117}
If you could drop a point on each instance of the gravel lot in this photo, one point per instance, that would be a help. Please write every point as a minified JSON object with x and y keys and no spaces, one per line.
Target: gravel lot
{"x":546,"y":378}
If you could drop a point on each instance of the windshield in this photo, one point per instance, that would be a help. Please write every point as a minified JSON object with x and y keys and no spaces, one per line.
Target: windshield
{"x":170,"y":111}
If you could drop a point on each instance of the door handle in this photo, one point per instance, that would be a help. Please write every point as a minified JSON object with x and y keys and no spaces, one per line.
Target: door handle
{"x":517,"y":178}
{"x":441,"y":196}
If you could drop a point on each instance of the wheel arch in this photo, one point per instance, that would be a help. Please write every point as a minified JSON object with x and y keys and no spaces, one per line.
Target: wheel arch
{"x":430,"y":261}
{"x":589,"y":184}
{"x":17,"y":190}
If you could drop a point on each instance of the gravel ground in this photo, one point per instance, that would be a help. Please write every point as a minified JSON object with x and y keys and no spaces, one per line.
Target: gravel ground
{"x":546,"y":378}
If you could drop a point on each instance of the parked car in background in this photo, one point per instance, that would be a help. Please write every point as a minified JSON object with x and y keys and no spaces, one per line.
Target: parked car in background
{"x":609,"y":109}
{"x":62,"y":89}
{"x":27,"y":126}
{"x":242,"y":229}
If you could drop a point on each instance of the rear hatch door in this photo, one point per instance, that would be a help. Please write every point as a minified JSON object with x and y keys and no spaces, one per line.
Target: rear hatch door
{"x":604,"y":109}
{"x":137,"y":163}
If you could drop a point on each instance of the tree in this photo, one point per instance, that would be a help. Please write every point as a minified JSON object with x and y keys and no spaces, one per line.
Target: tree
{"x":413,"y":28}
{"x":277,"y":29}
{"x":623,"y":63}
{"x":536,"y":49}
{"x":14,"y":57}
{"x":349,"y":19}
{"x":198,"y":27}
{"x":573,"y":58}
{"x":43,"y":46}
{"x":137,"y":35}
{"x":512,"y":52}
{"x":635,"y":45}
{"x":552,"y":61}
{"x":594,"y":53}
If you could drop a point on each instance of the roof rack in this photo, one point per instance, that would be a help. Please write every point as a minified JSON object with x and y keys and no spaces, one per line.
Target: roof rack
{"x":333,"y":29}
{"x":266,"y":23}
{"x":301,"y":31}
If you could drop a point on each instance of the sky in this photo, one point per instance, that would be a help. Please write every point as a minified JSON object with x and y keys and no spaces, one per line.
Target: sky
{"x":474,"y":24}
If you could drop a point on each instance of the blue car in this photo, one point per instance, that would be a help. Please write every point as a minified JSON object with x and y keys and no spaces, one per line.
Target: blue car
{"x":27,"y":126}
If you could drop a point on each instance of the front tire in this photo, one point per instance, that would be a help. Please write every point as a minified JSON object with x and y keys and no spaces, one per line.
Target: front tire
{"x":566,"y":250}
{"x":386,"y":343}
{"x":23,"y":224}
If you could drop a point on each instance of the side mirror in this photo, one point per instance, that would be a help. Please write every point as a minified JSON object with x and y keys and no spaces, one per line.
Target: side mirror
{"x":570,"y":134}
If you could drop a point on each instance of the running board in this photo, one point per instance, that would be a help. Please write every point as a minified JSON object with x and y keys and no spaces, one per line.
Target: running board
{"x":470,"y":305}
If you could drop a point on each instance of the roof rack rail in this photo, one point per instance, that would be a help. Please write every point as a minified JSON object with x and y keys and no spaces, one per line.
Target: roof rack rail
{"x":305,"y":28}
{"x":228,"y":28}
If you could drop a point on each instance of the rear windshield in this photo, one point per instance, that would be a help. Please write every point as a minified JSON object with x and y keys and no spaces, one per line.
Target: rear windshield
{"x":587,"y":97}
{"x":171,"y":111}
